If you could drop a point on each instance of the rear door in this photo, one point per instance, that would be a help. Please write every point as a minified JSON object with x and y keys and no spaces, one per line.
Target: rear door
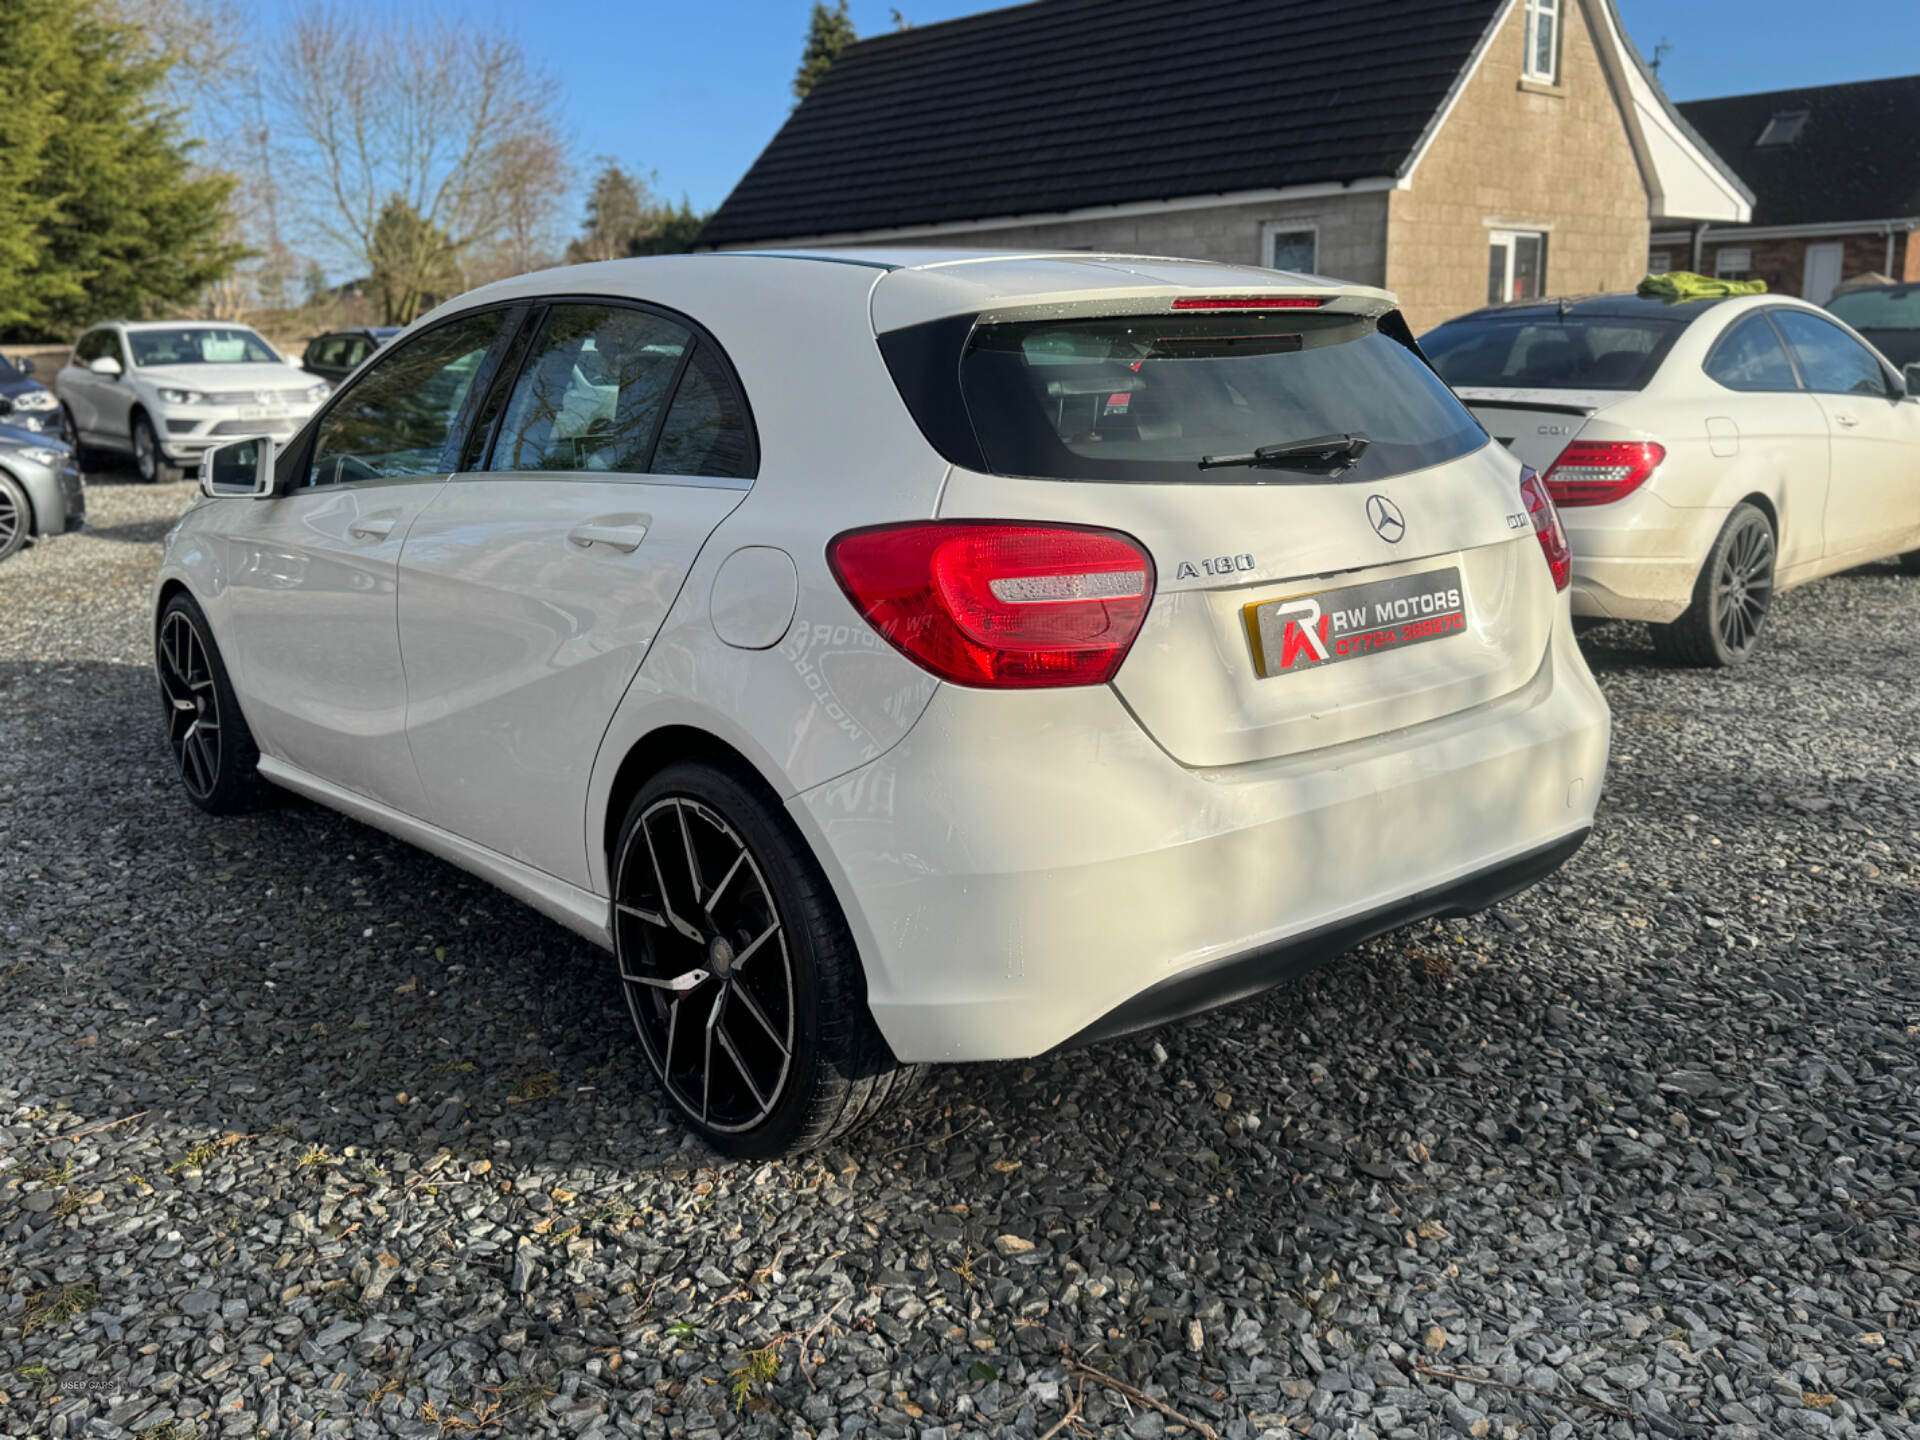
{"x":532,"y":586}
{"x":1298,"y":605}
{"x":311,"y":577}
{"x":1873,"y":502}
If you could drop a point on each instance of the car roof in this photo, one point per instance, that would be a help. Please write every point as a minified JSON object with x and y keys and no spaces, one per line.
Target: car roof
{"x":1627,"y":306}
{"x":179,"y":324}
{"x":914,"y":284}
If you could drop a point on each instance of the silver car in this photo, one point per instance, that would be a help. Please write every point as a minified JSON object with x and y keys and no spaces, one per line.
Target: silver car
{"x":41,"y":492}
{"x":163,"y":391}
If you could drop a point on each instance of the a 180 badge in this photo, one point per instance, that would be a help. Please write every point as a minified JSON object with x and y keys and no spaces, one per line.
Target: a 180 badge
{"x":1304,"y":632}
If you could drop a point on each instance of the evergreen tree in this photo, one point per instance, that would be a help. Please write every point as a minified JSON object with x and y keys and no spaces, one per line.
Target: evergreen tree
{"x":618,"y":208}
{"x":672,"y":230}
{"x":413,"y":263}
{"x":102,"y":212}
{"x":828,"y":33}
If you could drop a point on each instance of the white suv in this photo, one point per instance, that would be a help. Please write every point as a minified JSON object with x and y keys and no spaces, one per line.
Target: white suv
{"x":163,"y":391}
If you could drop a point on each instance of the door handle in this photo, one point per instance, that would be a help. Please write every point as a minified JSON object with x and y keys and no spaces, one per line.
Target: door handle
{"x":372,"y":527}
{"x":1846,"y":420}
{"x":624,"y":538}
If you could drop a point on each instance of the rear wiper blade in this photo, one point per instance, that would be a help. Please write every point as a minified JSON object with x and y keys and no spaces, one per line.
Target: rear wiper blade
{"x":1323,"y":452}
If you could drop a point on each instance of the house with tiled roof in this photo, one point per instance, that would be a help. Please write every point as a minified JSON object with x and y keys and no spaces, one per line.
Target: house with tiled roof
{"x":1457,"y":151}
{"x":1835,"y":175}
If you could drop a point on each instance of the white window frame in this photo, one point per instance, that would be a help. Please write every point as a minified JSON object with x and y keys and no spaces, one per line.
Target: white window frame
{"x":1726,"y":253}
{"x":1509,"y":238}
{"x":1659,"y":262}
{"x":1272,"y":229}
{"x":1550,"y":13}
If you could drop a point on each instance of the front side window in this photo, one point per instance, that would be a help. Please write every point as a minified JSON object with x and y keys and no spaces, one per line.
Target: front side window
{"x":1574,"y":352}
{"x":1516,"y":266}
{"x":402,"y":416}
{"x":94,"y":345}
{"x":592,"y":392}
{"x":1833,"y":362}
{"x":200,"y":345}
{"x":1149,"y":398}
{"x":1543,"y":41}
{"x":1294,"y":250}
{"x":1751,"y":357}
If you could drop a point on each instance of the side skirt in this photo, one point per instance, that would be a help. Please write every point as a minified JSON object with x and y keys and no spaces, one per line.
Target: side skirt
{"x":581,"y":911}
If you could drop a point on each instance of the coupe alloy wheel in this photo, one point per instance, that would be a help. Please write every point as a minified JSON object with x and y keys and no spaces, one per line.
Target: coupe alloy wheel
{"x":704,"y":961}
{"x":193,"y":705}
{"x":1743,"y":584}
{"x":12,"y":521}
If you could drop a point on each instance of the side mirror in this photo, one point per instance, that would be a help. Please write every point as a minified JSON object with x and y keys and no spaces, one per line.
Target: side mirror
{"x":240,"y":467}
{"x":1912,"y":376}
{"x":104,"y":365}
{"x":23,"y":365}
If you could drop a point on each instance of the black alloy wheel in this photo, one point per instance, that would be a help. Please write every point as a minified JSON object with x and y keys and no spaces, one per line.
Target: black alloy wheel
{"x":738,"y":969}
{"x":212,"y":748}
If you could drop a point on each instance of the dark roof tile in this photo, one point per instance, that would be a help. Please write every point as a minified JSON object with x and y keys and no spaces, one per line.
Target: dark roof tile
{"x":1061,"y":104}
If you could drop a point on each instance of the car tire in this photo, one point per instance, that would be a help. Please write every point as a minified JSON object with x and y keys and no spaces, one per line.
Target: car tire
{"x":1731,"y":598}
{"x":83,"y":454}
{"x":149,"y":463}
{"x":764,"y":965}
{"x":1910,"y":563}
{"x":16,"y":516}
{"x":213,"y":750}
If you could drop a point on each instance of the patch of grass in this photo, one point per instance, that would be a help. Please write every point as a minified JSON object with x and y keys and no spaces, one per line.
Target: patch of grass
{"x":455,"y":1067}
{"x":170,"y":1430}
{"x":452,"y":1422}
{"x":38,"y":1376}
{"x":198,"y":1157}
{"x":542,"y":1085}
{"x":70,"y":1204}
{"x":526,"y":1391}
{"x":756,"y":1371}
{"x":315,"y":1157}
{"x":50,"y":1308}
{"x":965,"y":1269}
{"x":60,"y":1174}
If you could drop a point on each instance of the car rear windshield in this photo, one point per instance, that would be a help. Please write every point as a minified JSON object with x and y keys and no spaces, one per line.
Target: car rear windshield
{"x":1880,"y":309}
{"x":1148,"y":398}
{"x":1536,"y":352}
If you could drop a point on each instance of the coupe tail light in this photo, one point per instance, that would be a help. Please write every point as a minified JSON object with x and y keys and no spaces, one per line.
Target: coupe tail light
{"x":999,"y":604}
{"x":1598,"y":472}
{"x":1546,"y":526}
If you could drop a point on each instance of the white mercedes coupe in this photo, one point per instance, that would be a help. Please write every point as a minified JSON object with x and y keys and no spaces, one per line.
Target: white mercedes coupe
{"x":901,"y":657}
{"x":1705,"y":454}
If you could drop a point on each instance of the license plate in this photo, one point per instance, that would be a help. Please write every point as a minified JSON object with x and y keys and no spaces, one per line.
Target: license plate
{"x":1304,"y":632}
{"x":263,"y":412}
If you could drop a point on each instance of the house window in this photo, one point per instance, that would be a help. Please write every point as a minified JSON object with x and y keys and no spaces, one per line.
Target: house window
{"x":1783,"y":128}
{"x":1516,"y":266}
{"x":1291,"y":246}
{"x":1732,"y":262}
{"x":1659,"y":262}
{"x":1543,"y":41}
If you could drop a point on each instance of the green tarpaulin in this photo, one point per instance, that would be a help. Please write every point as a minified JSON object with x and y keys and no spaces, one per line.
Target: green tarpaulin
{"x":1685,"y":285}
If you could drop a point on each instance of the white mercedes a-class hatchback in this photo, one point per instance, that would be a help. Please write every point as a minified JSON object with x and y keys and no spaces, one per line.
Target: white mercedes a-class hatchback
{"x":901,"y":657}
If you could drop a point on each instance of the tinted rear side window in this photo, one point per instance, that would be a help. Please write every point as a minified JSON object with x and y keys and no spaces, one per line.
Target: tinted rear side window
{"x":1147,"y":398}
{"x":1578,"y":352}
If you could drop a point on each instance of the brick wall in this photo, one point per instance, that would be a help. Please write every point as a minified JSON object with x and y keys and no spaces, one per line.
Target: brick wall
{"x":1783,"y":263}
{"x":1512,"y":157}
{"x":1351,"y":229}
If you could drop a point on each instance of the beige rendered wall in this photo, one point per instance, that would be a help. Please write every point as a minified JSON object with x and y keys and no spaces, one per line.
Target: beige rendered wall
{"x":1517,"y":155}
{"x":1351,"y":230}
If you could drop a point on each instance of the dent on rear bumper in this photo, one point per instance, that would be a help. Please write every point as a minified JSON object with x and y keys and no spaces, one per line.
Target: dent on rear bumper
{"x":1023,"y":864}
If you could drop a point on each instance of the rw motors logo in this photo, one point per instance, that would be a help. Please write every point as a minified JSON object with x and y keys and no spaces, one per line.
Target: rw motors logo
{"x":1305,"y":636}
{"x":1305,"y":632}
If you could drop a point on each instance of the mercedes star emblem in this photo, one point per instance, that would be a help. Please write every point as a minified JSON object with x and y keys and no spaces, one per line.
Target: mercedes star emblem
{"x":1385,"y":517}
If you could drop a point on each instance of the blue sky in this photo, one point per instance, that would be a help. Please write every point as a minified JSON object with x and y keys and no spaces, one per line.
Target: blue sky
{"x":694,"y":91}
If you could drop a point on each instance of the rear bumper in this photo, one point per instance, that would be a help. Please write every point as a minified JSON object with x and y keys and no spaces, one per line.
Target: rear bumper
{"x":1025,"y":870}
{"x":1638,"y":558}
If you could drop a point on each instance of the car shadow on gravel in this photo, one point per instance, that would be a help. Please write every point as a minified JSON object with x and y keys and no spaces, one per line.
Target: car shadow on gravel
{"x":136,"y":532}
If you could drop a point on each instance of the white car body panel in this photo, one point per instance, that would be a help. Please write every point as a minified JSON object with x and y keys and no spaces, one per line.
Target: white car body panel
{"x":1012,"y":864}
{"x":1843,"y":491}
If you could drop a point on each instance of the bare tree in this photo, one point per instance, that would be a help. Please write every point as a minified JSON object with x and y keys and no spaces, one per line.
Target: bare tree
{"x":444,"y":115}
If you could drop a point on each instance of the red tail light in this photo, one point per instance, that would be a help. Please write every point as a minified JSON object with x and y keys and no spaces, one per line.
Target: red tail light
{"x":999,"y":604}
{"x":1248,"y":302}
{"x":1598,"y":472}
{"x":1546,"y":526}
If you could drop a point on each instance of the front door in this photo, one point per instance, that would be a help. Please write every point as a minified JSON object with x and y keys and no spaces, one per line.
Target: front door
{"x":314,"y":619}
{"x":1873,"y":502}
{"x":533,"y":584}
{"x":1822,"y":275}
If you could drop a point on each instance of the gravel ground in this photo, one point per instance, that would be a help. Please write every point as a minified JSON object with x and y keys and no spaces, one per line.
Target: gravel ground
{"x":305,"y":1133}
